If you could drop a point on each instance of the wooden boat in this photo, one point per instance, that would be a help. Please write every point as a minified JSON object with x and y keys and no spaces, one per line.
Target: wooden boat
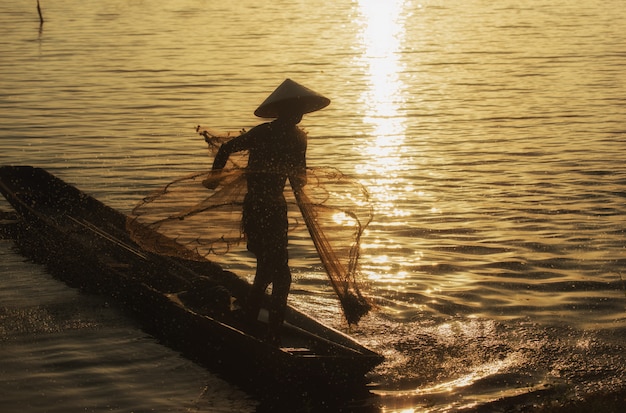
{"x":184,"y":303}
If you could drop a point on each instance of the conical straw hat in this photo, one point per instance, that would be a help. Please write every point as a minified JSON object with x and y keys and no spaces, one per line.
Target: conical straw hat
{"x":289,"y":97}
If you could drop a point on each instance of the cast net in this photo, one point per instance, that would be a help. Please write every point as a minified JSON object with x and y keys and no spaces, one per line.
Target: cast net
{"x":202,"y":212}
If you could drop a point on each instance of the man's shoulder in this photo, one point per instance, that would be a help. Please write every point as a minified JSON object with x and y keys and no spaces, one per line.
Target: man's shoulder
{"x":261,"y":129}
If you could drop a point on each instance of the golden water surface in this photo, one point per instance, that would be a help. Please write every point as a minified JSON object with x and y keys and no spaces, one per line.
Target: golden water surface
{"x":490,"y":136}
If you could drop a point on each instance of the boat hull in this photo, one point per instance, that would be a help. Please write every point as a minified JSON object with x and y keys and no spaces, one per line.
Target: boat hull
{"x":85,"y":243}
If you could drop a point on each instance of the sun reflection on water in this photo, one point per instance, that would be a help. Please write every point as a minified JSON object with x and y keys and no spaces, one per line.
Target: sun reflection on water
{"x":384,"y":161}
{"x":382,"y":36}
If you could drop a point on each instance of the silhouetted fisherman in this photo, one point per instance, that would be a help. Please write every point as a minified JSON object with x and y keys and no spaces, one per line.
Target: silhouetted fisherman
{"x":277,"y":152}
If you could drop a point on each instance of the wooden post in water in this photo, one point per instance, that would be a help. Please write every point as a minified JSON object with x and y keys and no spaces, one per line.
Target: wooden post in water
{"x":40,"y":15}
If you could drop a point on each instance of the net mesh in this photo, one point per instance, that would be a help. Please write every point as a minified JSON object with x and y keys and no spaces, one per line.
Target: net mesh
{"x":202,"y":212}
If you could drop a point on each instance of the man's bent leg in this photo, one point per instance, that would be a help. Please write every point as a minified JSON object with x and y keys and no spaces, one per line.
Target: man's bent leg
{"x":280,"y":292}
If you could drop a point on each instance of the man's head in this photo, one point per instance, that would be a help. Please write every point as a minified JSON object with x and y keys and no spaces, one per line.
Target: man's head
{"x":290,"y":117}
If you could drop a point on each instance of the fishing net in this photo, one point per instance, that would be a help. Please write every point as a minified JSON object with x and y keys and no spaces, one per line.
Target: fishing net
{"x":202,"y":213}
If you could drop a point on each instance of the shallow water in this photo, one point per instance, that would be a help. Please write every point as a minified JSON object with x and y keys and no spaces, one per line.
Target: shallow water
{"x":489,"y":136}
